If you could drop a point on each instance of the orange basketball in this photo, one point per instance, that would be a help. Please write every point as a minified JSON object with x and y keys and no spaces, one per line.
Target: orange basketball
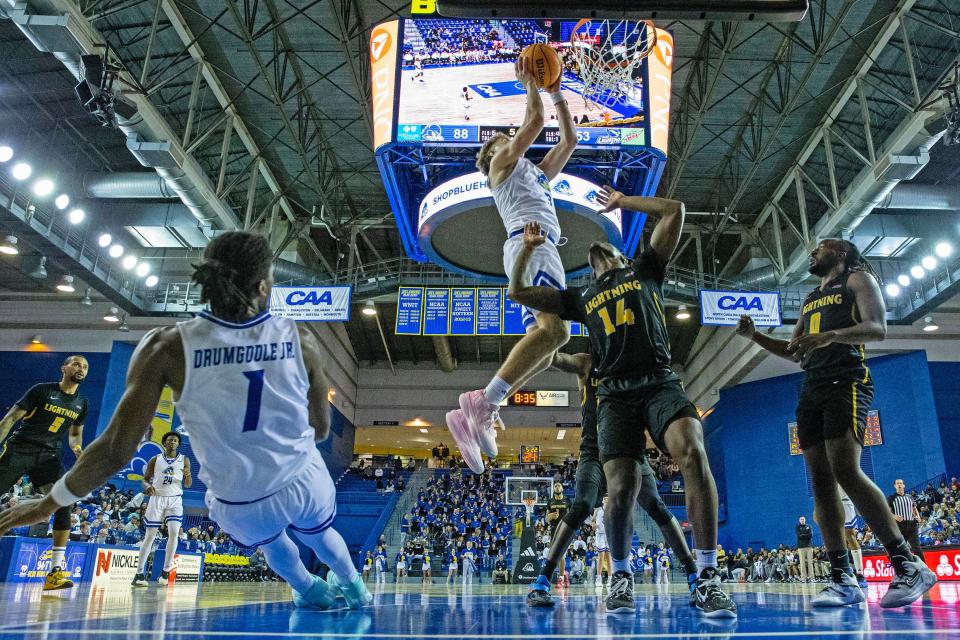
{"x":545,"y":63}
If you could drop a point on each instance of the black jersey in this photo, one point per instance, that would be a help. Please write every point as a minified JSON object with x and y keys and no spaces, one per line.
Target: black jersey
{"x":832,"y":307}
{"x":50,"y":414}
{"x":623,"y":311}
{"x":588,"y":412}
{"x":558,"y":506}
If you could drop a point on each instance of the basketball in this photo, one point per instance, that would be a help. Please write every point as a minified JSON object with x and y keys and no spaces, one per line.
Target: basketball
{"x":544,"y":61}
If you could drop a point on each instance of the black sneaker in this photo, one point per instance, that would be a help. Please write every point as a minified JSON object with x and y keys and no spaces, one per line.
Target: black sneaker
{"x":539,"y":595}
{"x":910,"y":585}
{"x":620,"y":599}
{"x":164,"y":577}
{"x":710,"y":599}
{"x":139,"y":580}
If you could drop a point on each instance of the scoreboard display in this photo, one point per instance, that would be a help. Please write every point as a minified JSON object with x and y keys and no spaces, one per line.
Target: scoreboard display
{"x":523,"y":399}
{"x":529,"y":454}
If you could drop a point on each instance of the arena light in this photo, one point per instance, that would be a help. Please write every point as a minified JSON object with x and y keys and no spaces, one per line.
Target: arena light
{"x":104,"y":240}
{"x":85,"y":301}
{"x":917,"y":272}
{"x":129,"y":262}
{"x":9,"y":246}
{"x":151,"y":281}
{"x":66,"y":284}
{"x":929,"y":263}
{"x":113,"y":315}
{"x":62,"y":201}
{"x":682,"y":313}
{"x":43,"y":187}
{"x":116,"y":251}
{"x":21,"y":171}
{"x":5,"y":153}
{"x":903,"y":279}
{"x":369,"y":309}
{"x":37,"y":339}
{"x":143,"y":269}
{"x":929,"y":325}
{"x":76,"y":216}
{"x":893,"y":290}
{"x":943,"y":249}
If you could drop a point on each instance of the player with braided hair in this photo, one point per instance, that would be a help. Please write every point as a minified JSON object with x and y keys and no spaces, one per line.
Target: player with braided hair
{"x":842,"y":313}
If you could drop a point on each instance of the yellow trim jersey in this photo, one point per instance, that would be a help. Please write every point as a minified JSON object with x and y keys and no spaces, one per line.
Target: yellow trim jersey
{"x":832,"y":307}
{"x":51,"y":412}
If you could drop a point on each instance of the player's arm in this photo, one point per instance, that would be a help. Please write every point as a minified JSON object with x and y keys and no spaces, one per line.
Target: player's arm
{"x":150,"y":369}
{"x":521,"y":290}
{"x":75,"y":438}
{"x":317,"y":396}
{"x":577,"y":363}
{"x":668,"y":213}
{"x":781,"y":348}
{"x":556,"y":159}
{"x":532,"y":122}
{"x":14,"y":415}
{"x":187,"y":474}
{"x":871,"y":328}
{"x":147,"y":482}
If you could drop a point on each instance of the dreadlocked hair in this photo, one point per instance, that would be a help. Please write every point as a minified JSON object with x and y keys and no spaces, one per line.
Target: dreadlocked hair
{"x":233,"y":266}
{"x":854,"y":260}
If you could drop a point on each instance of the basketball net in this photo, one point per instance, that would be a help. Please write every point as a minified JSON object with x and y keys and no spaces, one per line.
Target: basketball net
{"x":607,"y":54}
{"x":529,"y":504}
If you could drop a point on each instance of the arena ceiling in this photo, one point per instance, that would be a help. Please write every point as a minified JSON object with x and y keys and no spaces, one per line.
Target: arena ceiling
{"x":271,"y":100}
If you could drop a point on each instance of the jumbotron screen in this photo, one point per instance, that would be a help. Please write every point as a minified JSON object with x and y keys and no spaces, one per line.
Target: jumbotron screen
{"x":457,"y":84}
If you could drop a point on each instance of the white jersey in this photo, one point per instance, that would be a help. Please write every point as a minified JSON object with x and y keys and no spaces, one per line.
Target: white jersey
{"x":525,"y":196}
{"x":601,"y":529}
{"x":168,"y":475}
{"x":245,"y":399}
{"x":849,"y":511}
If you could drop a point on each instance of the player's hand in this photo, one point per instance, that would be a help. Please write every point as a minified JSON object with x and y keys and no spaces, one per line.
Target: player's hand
{"x":150,"y":491}
{"x":609,"y":198}
{"x":746,"y":328}
{"x":27,"y":512}
{"x":77,"y":450}
{"x":806,"y":344}
{"x":555,"y":87}
{"x":532,"y":236}
{"x":524,"y":72}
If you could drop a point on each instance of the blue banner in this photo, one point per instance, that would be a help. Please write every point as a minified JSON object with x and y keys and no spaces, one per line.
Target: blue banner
{"x":29,"y":559}
{"x":489,"y":322}
{"x":463,"y":312}
{"x":409,"y":311}
{"x":436,"y":312}
{"x":512,"y":318}
{"x":311,"y":304}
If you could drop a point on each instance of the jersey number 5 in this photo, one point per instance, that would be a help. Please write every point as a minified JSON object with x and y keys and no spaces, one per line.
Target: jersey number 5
{"x":254,"y":393}
{"x":56,"y":424}
{"x":624,"y":316}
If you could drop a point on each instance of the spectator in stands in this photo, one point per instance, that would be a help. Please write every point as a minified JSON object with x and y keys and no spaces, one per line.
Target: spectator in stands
{"x":501,"y":571}
{"x":83,"y":533}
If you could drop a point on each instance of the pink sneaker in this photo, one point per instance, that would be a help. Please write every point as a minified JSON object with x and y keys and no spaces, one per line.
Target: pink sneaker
{"x":482,"y":417}
{"x":466,"y":442}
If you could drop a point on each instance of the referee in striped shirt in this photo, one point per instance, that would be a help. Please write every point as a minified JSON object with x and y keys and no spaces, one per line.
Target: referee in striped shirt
{"x":905,"y":513}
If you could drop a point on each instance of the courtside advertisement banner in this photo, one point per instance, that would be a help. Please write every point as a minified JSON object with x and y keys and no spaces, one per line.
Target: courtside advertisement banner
{"x":311,"y":304}
{"x":944,"y":562}
{"x":188,"y":567}
{"x":32,"y":561}
{"x":115,"y":566}
{"x":383,"y":79}
{"x":724,"y":308}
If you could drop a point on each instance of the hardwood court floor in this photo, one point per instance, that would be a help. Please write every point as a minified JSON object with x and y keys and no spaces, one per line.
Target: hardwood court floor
{"x":264,"y":611}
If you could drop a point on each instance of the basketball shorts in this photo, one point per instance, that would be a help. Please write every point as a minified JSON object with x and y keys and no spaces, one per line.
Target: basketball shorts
{"x":833,"y":407}
{"x":601,"y":542}
{"x":543,"y":270}
{"x":17,"y":459}
{"x":306,"y":505}
{"x":628,"y":405}
{"x":162,"y":509}
{"x":589,"y":483}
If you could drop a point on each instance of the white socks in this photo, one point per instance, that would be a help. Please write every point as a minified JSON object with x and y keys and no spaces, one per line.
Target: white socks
{"x":706,"y":559}
{"x":332,"y":551}
{"x":497,"y":390}
{"x":283,"y":557}
{"x":146,"y":547}
{"x":173,"y":537}
{"x":622,"y":565}
{"x":857,"y":560}
{"x":57,"y":559}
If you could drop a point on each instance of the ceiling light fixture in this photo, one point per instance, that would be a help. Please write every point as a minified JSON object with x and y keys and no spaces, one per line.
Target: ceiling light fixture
{"x":143,"y":269}
{"x":37,"y":339}
{"x":943,"y":249}
{"x":903,"y":279}
{"x":41,"y":271}
{"x":893,"y":290}
{"x":369,"y":309}
{"x":929,"y":263}
{"x":917,"y":272}
{"x":9,"y":246}
{"x":104,"y":240}
{"x":113,"y":315}
{"x":76,"y":216}
{"x":151,"y":281}
{"x":43,"y":187}
{"x":682,"y":313}
{"x":21,"y":171}
{"x":5,"y":153}
{"x":929,"y":325}
{"x":66,"y":284}
{"x":62,"y":201}
{"x":116,"y":251}
{"x":85,"y":300}
{"x":129,"y":262}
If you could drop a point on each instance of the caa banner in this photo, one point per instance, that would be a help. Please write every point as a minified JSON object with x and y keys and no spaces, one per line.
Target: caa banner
{"x":724,"y":308}
{"x":311,"y":304}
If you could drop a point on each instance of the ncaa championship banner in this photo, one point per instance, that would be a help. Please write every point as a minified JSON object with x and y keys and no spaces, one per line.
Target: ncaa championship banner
{"x":724,"y":308}
{"x":311,"y":304}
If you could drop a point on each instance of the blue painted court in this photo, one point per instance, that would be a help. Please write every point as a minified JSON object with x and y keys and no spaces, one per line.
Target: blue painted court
{"x":436,"y":611}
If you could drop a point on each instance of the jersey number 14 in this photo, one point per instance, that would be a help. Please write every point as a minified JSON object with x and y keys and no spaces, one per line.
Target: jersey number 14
{"x":624,"y":316}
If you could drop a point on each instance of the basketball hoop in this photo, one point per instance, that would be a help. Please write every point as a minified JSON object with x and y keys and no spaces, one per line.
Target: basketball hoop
{"x":529,"y":502}
{"x":607,"y":53}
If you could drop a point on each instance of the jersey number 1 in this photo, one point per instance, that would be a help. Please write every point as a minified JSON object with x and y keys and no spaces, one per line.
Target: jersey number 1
{"x":254,"y":393}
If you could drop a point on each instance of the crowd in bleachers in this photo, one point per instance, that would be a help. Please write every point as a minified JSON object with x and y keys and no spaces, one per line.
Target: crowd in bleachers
{"x":938,"y":506}
{"x":451,"y":41}
{"x":387,"y":476}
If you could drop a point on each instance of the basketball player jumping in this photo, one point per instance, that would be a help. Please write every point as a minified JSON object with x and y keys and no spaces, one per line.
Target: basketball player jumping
{"x":45,"y":413}
{"x":167,"y":475}
{"x":838,"y":317}
{"x":253,"y":390}
{"x":521,"y":191}
{"x":590,"y":486}
{"x":623,"y":310}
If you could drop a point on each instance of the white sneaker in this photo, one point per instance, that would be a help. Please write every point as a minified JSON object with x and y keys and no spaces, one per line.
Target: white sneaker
{"x":840,"y":593}
{"x":905,"y":588}
{"x":598,"y":582}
